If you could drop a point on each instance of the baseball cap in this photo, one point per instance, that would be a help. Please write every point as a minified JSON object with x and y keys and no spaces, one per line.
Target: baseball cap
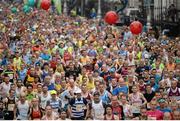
{"x":53,"y":92}
{"x":152,"y":77}
{"x":96,"y":93}
{"x":161,"y":100}
{"x":78,"y":91}
{"x":112,"y":70}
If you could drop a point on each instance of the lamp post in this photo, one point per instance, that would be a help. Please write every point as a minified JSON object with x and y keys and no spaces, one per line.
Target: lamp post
{"x":65,"y":7}
{"x":99,"y":10}
{"x":149,"y":15}
{"x":82,"y":7}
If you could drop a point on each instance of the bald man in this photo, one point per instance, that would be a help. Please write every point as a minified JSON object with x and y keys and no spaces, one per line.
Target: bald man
{"x":167,"y":116}
{"x":176,"y":115}
{"x":174,"y":91}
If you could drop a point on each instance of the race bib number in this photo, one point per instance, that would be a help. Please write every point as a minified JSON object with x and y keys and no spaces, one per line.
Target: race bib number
{"x":79,"y":107}
{"x":148,"y":106}
{"x":10,"y":107}
{"x":136,"y":108}
{"x":99,"y":116}
{"x":151,"y":118}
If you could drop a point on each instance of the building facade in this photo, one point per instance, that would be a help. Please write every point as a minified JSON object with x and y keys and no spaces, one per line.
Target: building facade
{"x":162,"y":9}
{"x":134,"y":3}
{"x":161,"y":13}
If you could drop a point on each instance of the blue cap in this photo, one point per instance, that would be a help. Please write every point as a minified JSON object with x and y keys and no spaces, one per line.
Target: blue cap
{"x":112,"y":70}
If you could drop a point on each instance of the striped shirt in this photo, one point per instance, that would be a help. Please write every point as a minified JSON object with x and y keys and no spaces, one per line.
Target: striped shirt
{"x":55,"y":104}
{"x":78,"y":107}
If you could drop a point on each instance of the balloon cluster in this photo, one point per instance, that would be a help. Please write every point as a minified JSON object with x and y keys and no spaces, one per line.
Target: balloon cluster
{"x":112,"y":17}
{"x":45,"y":4}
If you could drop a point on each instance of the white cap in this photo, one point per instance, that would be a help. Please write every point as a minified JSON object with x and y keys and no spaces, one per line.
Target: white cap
{"x":146,"y":56}
{"x":104,"y":47}
{"x":78,"y":91}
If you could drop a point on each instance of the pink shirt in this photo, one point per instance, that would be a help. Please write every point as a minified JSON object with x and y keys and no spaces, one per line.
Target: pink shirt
{"x":157,"y":115}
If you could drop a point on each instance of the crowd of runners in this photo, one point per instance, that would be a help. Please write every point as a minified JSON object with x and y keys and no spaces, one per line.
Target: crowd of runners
{"x":72,"y":68}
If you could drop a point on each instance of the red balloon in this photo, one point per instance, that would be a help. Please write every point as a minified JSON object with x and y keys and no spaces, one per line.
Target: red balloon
{"x":45,"y":4}
{"x":136,"y":27}
{"x":111,"y":17}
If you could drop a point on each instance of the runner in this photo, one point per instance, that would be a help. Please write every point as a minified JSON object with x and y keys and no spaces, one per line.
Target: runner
{"x":55,"y":102}
{"x":77,"y":107}
{"x":97,"y":107}
{"x":136,"y":99}
{"x":49,"y":114}
{"x":44,"y":97}
{"x":35,"y":111}
{"x":153,"y":113}
{"x":109,"y":114}
{"x":22,"y":108}
{"x":10,"y":103}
